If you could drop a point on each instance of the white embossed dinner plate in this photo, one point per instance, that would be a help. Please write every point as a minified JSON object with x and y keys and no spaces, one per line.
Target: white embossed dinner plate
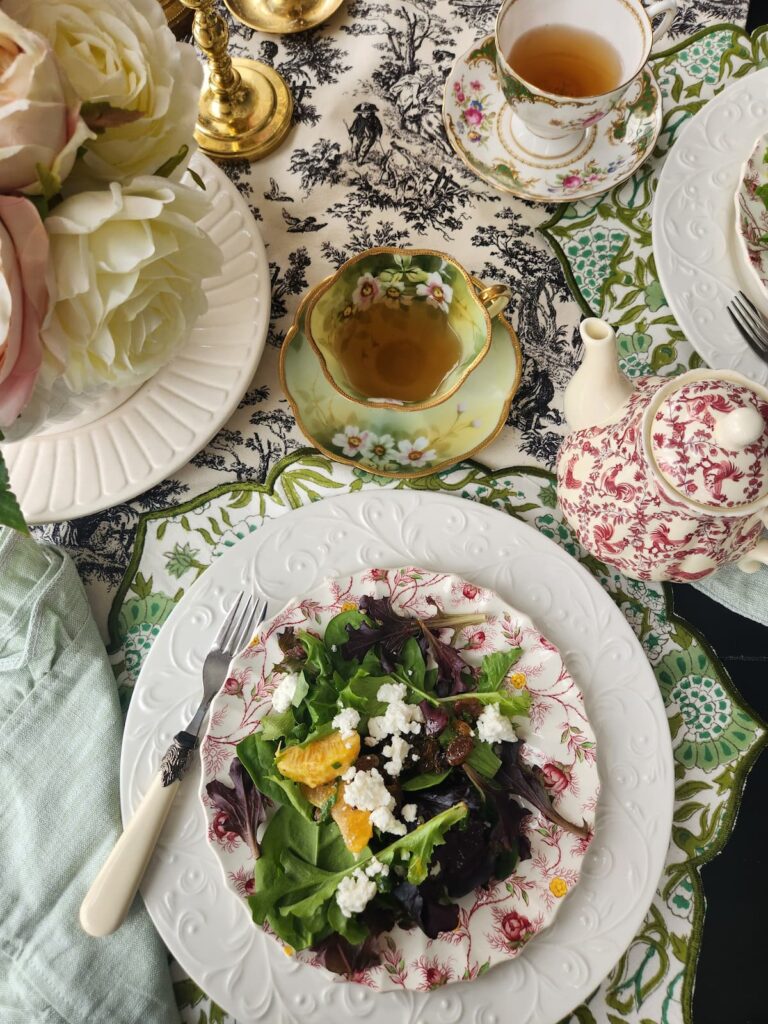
{"x":694,"y":223}
{"x":89,"y":464}
{"x":206,"y":926}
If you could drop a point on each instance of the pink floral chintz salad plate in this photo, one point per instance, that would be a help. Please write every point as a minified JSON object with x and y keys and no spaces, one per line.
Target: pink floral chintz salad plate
{"x":497,"y":922}
{"x":481,"y":130}
{"x":752,"y":215}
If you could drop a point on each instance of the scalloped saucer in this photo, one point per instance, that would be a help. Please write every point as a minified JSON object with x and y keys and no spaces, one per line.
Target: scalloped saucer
{"x":394,"y":442}
{"x":481,"y":129}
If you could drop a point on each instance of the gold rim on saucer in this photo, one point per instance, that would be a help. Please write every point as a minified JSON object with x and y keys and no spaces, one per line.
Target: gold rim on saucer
{"x":391,"y":474}
{"x":490,"y":292}
{"x":281,"y":17}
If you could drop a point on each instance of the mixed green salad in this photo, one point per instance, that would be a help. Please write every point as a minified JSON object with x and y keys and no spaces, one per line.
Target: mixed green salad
{"x":394,"y":767}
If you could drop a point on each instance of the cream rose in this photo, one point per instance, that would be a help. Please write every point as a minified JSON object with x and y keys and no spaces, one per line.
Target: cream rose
{"x":122,"y":52}
{"x":23,"y":302}
{"x":128,"y":263}
{"x":39,"y":119}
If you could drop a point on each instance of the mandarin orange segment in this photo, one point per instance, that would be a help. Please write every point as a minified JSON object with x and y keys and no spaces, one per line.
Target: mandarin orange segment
{"x":321,"y":761}
{"x":355,"y":826}
{"x":318,"y":795}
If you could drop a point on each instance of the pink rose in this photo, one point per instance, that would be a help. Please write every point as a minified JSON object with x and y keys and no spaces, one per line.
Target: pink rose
{"x":40,"y":121}
{"x":220,"y":827}
{"x":233,"y":685}
{"x":555,"y":778}
{"x":470,"y":591}
{"x":23,"y":302}
{"x":515,"y":927}
{"x":572,"y":181}
{"x":473,"y":116}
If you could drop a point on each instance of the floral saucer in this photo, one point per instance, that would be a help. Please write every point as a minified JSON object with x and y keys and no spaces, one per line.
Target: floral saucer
{"x":752,"y":215}
{"x":398,"y":442}
{"x":480,"y":128}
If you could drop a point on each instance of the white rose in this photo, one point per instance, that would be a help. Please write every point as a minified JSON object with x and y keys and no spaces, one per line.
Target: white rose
{"x":122,"y":52}
{"x":128,"y":263}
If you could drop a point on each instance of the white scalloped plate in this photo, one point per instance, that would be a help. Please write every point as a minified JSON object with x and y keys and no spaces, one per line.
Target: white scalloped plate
{"x":206,"y":926}
{"x":694,"y":226}
{"x":89,"y":464}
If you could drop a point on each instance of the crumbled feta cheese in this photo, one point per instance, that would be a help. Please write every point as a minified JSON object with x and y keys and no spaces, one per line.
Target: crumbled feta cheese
{"x":370,"y":741}
{"x":492,"y":726}
{"x":408,"y":813}
{"x":396,"y":749}
{"x":385,"y":821}
{"x":346,"y":722}
{"x":391,"y":691}
{"x":399,"y":718}
{"x":334,"y":648}
{"x":354,"y":893}
{"x":349,"y":774}
{"x":284,"y":692}
{"x":367,"y":792}
{"x":375,"y":867}
{"x":435,"y":870}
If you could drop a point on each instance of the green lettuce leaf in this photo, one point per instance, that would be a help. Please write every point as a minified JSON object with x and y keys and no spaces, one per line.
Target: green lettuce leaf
{"x":258,"y":758}
{"x":495,"y":668}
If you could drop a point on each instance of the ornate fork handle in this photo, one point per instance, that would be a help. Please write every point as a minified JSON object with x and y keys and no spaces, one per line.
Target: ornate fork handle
{"x":176,"y":757}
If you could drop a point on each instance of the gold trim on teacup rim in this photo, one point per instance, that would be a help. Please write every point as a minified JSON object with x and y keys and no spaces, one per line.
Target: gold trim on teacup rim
{"x":576,"y":101}
{"x":391,"y":474}
{"x":392,"y":250}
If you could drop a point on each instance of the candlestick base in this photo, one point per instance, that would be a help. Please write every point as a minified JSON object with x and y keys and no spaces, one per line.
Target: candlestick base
{"x":252,"y":121}
{"x":280,"y":17}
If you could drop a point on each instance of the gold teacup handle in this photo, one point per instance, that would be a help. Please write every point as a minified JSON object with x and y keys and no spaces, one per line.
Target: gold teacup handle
{"x":495,"y":298}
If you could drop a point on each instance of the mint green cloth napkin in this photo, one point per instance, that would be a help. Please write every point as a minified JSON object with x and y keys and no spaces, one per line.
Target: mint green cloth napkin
{"x":741,"y":592}
{"x":60,"y":728}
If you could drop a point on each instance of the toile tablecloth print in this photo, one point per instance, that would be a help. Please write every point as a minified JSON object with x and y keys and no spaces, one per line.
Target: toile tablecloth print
{"x":367,"y":163}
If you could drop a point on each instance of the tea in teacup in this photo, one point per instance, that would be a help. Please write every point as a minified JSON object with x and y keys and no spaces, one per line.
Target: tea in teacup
{"x":403,"y":354}
{"x":566,"y":60}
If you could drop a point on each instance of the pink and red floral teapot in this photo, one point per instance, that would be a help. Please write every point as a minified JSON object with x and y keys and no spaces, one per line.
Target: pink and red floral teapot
{"x":666,"y":479}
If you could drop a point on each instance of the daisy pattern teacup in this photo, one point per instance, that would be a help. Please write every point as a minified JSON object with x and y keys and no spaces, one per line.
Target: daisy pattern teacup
{"x":401,"y":328}
{"x":563,"y":65}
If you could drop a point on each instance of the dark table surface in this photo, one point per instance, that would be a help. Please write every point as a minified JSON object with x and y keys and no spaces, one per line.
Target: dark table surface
{"x":732,"y":976}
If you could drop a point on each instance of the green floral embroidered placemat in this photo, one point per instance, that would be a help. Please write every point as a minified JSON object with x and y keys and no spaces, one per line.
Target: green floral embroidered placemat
{"x":604,"y":243}
{"x":716,"y":738}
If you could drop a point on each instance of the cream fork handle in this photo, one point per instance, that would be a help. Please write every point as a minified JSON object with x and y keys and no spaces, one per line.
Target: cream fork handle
{"x":110,"y":896}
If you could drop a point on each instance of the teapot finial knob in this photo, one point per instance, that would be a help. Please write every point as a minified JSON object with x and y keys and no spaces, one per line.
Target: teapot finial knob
{"x":739,"y":429}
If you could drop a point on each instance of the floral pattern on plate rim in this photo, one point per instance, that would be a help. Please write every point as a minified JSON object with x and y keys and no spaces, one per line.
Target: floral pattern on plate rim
{"x":494,"y":924}
{"x":752,"y":212}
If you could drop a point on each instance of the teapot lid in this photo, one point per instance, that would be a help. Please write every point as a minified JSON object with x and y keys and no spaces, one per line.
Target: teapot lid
{"x":709,"y":440}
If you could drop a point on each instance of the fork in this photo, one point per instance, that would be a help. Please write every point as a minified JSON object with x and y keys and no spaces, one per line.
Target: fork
{"x":110,"y":896}
{"x":751,"y":323}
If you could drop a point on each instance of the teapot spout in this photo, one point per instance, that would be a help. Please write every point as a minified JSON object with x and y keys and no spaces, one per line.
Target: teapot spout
{"x":598,"y":391}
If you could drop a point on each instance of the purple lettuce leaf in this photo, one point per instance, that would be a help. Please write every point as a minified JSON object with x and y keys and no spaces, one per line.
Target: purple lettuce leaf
{"x":518,"y":779}
{"x":422,"y":905}
{"x":242,"y":803}
{"x":435,"y":719}
{"x":391,"y":631}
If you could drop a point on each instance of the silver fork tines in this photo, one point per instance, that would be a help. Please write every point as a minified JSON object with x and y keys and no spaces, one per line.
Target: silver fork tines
{"x":751,"y":324}
{"x":235,"y":633}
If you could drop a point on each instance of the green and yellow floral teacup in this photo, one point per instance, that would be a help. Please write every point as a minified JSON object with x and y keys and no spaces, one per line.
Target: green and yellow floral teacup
{"x":399,"y":281}
{"x":400,"y":442}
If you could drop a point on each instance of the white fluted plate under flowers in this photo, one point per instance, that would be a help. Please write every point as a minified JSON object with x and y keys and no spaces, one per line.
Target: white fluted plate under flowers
{"x":480,"y":127}
{"x":130,"y":440}
{"x":698,"y":255}
{"x":206,"y":925}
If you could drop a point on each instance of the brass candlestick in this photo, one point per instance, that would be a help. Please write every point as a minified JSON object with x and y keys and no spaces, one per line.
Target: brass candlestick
{"x":282,"y":16}
{"x":245,"y":106}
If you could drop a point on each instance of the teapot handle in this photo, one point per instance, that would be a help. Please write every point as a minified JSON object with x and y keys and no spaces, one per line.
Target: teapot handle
{"x":757,"y":556}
